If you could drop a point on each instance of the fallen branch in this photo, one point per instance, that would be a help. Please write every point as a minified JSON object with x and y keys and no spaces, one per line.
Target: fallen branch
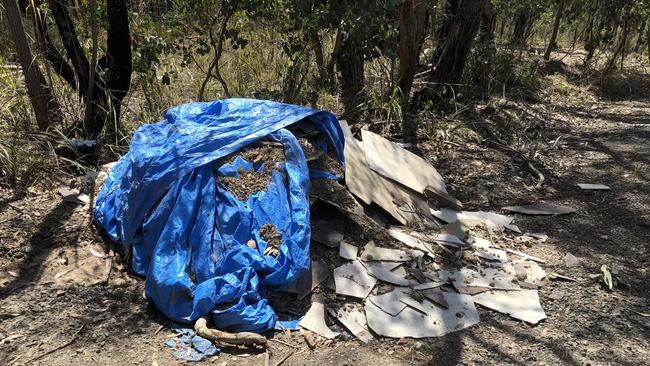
{"x":242,"y":338}
{"x":66,"y":344}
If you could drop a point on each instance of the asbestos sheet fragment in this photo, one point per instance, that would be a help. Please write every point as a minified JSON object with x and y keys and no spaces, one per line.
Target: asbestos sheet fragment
{"x":409,"y":240}
{"x":371,"y":252}
{"x":390,"y":301}
{"x":492,"y":220}
{"x":73,"y":195}
{"x":523,"y":305}
{"x":593,"y":187}
{"x":491,"y":254}
{"x":491,"y":278}
{"x":327,"y":233}
{"x":526,"y":256}
{"x":540,"y":208}
{"x":316,"y":275}
{"x":370,"y":187}
{"x":314,"y":320}
{"x":526,"y":272}
{"x":436,"y":295}
{"x":479,"y":243}
{"x":355,"y":321}
{"x":388,"y":266}
{"x":353,"y":280}
{"x":400,"y":165}
{"x":348,"y":251}
{"x":437,"y":321}
{"x":385,"y":275}
{"x":428,"y":285}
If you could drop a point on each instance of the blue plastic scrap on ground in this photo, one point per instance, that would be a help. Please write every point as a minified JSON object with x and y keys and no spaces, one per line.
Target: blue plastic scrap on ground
{"x":190,"y":347}
{"x":188,"y":233}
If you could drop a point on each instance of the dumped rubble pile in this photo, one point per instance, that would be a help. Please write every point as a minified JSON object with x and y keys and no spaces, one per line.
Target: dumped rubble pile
{"x":422,"y":276}
{"x":223,"y":225}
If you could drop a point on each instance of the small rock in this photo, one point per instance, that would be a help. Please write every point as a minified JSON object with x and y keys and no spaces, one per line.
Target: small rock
{"x":571,"y":261}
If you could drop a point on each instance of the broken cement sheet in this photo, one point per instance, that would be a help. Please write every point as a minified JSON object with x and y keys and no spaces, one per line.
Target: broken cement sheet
{"x":372,"y":187}
{"x":485,"y":277}
{"x":400,"y":165}
{"x":374,"y":253}
{"x":409,"y":240}
{"x":386,"y":275}
{"x":527,"y":256}
{"x":326,"y":233}
{"x":348,"y":251}
{"x":492,"y":254}
{"x":355,"y":321}
{"x":428,"y":285}
{"x":410,"y":322}
{"x":393,"y":162}
{"x":540,"y":208}
{"x":314,"y":320}
{"x":440,"y":238}
{"x":493,"y":220}
{"x":353,"y":280}
{"x":593,"y":187}
{"x":523,"y":305}
{"x":316,"y":275}
{"x":435,"y":295}
{"x":73,"y":195}
{"x":526,"y":271}
{"x":461,"y":228}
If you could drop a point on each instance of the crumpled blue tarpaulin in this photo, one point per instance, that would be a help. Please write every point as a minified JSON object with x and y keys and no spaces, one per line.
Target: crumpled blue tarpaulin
{"x":188,"y":233}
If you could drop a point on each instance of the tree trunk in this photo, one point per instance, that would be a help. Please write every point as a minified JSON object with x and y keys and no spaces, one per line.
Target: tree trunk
{"x":639,"y":40}
{"x":556,"y":26}
{"x":408,"y":57}
{"x":46,"y":109}
{"x":317,"y":45}
{"x":519,"y":33}
{"x":594,"y":35}
{"x":486,"y":30}
{"x":619,"y":48}
{"x":460,"y":25}
{"x":120,"y":64}
{"x":350,"y":64}
{"x":334,"y":56}
{"x":423,"y":10}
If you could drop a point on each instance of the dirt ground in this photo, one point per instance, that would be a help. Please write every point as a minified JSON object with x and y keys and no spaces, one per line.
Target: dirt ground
{"x":107,"y":322}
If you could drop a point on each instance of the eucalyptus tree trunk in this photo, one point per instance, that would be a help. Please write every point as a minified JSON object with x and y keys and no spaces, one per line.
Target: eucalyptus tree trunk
{"x":46,"y":109}
{"x":556,"y":26}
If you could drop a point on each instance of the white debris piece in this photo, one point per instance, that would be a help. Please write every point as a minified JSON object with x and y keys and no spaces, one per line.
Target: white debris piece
{"x":314,"y":320}
{"x":348,"y":251}
{"x":523,"y":305}
{"x":352,"y":280}
{"x":428,"y":285}
{"x":492,"y":220}
{"x":73,"y":195}
{"x":413,"y":323}
{"x":355,"y":321}
{"x":409,"y":240}
{"x":373,"y":253}
{"x":479,"y":243}
{"x":524,"y":255}
{"x":485,"y":277}
{"x":594,"y":187}
{"x":403,"y":166}
{"x":387,"y":276}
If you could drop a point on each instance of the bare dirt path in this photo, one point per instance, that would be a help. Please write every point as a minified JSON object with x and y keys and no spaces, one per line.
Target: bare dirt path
{"x":606,"y":143}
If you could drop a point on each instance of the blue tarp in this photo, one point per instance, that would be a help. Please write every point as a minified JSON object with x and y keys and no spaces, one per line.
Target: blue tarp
{"x":188,"y":233}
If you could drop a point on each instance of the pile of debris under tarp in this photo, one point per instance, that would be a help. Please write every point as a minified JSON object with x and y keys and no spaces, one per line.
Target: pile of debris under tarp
{"x":215,"y":202}
{"x":421,"y":277}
